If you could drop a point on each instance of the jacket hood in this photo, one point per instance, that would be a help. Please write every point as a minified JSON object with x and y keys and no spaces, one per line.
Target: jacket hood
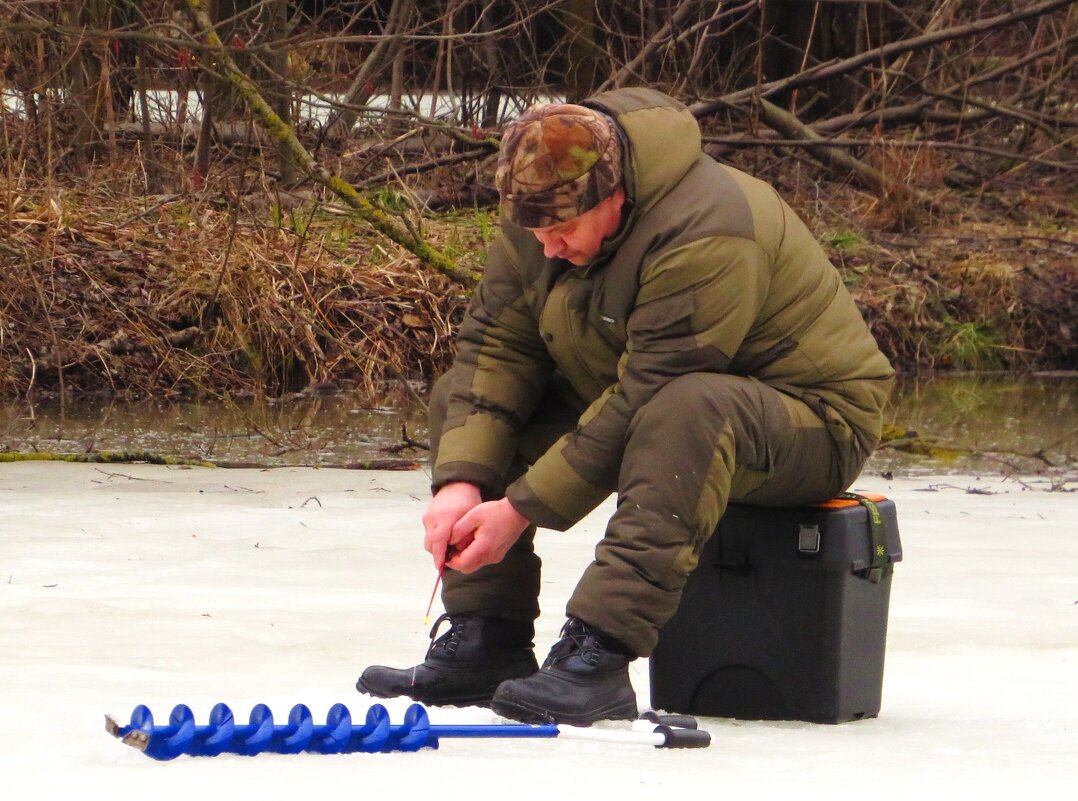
{"x":662,"y":138}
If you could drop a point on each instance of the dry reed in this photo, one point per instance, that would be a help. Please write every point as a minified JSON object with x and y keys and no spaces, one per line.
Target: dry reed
{"x":188,"y":294}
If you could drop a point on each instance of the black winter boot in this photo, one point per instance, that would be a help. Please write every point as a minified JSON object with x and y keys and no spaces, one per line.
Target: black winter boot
{"x":462,"y":667}
{"x":584,"y":679}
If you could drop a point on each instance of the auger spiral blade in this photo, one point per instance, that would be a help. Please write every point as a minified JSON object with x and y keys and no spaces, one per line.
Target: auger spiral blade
{"x":261,"y":735}
{"x":338,"y":735}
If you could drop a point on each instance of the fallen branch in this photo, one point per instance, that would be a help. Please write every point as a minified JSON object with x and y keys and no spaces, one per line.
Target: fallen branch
{"x":426,"y":166}
{"x":980,"y":237}
{"x":834,"y":69}
{"x":904,"y":441}
{"x":789,"y":124}
{"x":406,"y":443}
{"x":920,"y":110}
{"x":743,"y":141}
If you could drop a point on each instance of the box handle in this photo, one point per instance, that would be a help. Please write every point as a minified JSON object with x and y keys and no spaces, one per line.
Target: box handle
{"x":880,"y":565}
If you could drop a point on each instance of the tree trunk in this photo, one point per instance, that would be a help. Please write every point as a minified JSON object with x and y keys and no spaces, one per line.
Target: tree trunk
{"x":383,"y":53}
{"x":495,"y":78}
{"x":582,"y":53}
{"x":86,"y":80}
{"x":149,"y":163}
{"x":278,"y":92}
{"x":232,"y":20}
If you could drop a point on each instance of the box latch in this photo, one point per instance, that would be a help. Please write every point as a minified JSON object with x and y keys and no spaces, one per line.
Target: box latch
{"x":808,"y":539}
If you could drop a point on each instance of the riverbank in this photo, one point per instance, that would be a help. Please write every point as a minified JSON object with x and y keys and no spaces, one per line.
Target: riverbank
{"x":138,"y":584}
{"x":226,"y":292}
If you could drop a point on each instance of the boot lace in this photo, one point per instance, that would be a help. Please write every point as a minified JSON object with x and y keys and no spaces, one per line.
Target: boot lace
{"x":577,"y":637}
{"x":450,"y":641}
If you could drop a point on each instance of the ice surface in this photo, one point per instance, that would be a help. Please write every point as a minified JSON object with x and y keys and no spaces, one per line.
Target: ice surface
{"x":136,"y":584}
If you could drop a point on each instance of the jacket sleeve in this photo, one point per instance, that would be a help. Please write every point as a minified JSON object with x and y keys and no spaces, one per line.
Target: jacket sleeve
{"x":497,"y":379}
{"x":696,"y":304}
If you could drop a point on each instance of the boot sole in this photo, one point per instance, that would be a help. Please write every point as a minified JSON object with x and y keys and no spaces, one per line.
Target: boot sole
{"x":483,"y":699}
{"x":526,"y":713}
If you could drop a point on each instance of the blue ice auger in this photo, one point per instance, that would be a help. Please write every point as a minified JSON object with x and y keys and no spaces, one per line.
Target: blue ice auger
{"x":339,"y":736}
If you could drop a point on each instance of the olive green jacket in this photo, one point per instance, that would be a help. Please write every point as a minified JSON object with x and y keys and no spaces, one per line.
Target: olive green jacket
{"x":710,"y":272}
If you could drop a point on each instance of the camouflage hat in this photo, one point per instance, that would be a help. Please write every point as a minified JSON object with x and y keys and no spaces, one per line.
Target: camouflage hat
{"x":557,"y":162}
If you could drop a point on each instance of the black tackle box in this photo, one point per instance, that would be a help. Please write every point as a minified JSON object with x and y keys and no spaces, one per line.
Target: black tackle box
{"x":785,"y":617}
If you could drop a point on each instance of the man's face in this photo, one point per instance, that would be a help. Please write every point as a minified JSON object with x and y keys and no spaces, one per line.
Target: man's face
{"x":578,"y":240}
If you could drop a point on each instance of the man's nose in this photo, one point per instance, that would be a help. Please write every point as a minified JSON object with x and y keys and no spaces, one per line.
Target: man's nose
{"x":552,"y":244}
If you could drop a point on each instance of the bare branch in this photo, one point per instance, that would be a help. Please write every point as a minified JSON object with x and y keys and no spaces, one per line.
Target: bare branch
{"x":879,"y":54}
{"x":374,"y":216}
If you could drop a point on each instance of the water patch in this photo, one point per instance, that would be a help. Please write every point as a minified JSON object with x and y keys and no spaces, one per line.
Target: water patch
{"x":986,"y":421}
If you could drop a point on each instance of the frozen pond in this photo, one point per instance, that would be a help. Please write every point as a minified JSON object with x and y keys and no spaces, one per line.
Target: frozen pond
{"x":141,"y":584}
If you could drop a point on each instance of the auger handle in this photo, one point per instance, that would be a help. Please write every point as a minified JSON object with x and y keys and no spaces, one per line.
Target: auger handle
{"x":683,"y":738}
{"x":659,"y":736}
{"x":675,"y":721}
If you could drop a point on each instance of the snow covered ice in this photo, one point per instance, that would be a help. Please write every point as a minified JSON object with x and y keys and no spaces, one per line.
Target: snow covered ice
{"x":134,"y":584}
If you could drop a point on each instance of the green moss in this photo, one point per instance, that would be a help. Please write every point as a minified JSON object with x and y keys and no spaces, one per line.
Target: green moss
{"x":104,"y":457}
{"x":930,"y":448}
{"x":893,"y":432}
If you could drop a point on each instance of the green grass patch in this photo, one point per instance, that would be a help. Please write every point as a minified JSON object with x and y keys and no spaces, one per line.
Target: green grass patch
{"x":970,"y":345}
{"x":842,"y":240}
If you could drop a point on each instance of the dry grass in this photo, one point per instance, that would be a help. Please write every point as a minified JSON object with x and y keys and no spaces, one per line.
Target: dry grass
{"x":973,"y":295}
{"x":188,"y":295}
{"x":241,"y":290}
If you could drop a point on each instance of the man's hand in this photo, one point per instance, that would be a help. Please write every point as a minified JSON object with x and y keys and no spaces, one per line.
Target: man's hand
{"x":484,"y":535}
{"x":448,"y":506}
